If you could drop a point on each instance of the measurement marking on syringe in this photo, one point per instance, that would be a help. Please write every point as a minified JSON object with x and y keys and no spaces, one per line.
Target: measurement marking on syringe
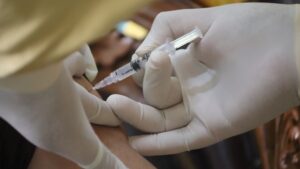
{"x":124,"y":73}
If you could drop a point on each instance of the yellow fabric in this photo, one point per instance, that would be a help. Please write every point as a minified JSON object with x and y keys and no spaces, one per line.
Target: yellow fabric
{"x":297,"y":42}
{"x":35,"y":33}
{"x":220,"y":2}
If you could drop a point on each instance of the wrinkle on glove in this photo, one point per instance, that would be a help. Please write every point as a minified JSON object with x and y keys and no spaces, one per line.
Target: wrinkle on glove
{"x":196,"y":83}
{"x":190,"y":137}
{"x":54,"y":119}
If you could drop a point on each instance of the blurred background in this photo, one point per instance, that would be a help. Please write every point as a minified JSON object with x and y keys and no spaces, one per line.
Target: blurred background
{"x":275,"y":145}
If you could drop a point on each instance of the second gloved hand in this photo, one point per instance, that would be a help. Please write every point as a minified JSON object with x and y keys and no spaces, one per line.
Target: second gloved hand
{"x":240,"y":75}
{"x":97,"y":110}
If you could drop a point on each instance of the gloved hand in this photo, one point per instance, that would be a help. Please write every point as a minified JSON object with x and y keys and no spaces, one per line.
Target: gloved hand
{"x":52,"y":116}
{"x":97,"y":111}
{"x":240,"y":75}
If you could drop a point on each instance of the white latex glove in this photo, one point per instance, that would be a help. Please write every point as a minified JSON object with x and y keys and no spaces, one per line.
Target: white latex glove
{"x":97,"y":110}
{"x":249,"y":49}
{"x":82,"y":62}
{"x":52,"y":117}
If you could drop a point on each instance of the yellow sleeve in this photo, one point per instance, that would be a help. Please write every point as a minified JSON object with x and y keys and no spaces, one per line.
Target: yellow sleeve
{"x":297,"y":42}
{"x":36,"y":33}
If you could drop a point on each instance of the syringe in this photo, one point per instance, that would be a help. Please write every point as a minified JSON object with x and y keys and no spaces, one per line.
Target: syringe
{"x":135,"y":65}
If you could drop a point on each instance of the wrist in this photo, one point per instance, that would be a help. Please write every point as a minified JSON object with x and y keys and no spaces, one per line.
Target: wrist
{"x":97,"y":160}
{"x":104,"y":159}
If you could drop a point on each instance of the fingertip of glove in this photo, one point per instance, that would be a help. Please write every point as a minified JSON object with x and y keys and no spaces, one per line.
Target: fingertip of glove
{"x":117,"y":102}
{"x":142,"y":147}
{"x":158,"y":59}
{"x":112,"y":100}
{"x":132,"y":143}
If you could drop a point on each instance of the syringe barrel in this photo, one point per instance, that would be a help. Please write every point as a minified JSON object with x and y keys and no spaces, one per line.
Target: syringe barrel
{"x":139,"y":63}
{"x":124,"y":72}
